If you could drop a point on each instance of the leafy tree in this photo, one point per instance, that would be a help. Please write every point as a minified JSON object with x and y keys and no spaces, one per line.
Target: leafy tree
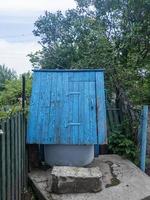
{"x":73,"y":40}
{"x":128,"y":28}
{"x":101,"y":33}
{"x":11,"y":96}
{"x":5,"y":74}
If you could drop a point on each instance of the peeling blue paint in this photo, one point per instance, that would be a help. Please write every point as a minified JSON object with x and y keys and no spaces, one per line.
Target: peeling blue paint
{"x":143,"y":136}
{"x":67,"y":107}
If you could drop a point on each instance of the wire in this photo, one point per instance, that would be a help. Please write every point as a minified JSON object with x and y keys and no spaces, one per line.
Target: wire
{"x":16,"y":36}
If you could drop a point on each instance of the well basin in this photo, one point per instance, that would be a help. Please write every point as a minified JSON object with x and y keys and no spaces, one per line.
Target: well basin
{"x":69,"y":155}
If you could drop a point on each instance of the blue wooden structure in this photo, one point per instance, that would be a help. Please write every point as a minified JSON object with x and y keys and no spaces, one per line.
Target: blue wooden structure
{"x":67,"y":107}
{"x":143,"y":129}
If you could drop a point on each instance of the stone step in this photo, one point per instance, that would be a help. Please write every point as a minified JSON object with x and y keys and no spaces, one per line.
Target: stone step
{"x":66,"y":179}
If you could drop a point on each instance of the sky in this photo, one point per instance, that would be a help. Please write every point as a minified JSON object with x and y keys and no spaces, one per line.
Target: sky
{"x":17,"y":19}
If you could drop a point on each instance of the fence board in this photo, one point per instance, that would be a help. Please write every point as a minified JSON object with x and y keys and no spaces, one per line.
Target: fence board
{"x":113,"y":119}
{"x":0,"y":164}
{"x":12,"y":158}
{"x":16,"y":157}
{"x":19,"y":155}
{"x":8,"y":159}
{"x":3,"y":163}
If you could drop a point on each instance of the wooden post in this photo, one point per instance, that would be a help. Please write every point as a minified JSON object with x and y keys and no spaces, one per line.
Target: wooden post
{"x":23,"y":92}
{"x":143,"y":137}
{"x":24,"y":149}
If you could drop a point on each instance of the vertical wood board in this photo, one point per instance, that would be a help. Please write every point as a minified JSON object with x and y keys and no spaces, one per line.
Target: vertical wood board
{"x":101,"y":108}
{"x":63,"y":108}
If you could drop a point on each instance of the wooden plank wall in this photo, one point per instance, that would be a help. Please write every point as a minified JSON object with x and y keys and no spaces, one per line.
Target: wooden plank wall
{"x":113,"y":117}
{"x":63,"y":108}
{"x":12,"y":157}
{"x":117,"y":116}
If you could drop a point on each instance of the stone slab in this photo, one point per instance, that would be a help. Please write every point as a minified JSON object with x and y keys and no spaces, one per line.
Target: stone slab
{"x":75,"y":180}
{"x":134,"y":184}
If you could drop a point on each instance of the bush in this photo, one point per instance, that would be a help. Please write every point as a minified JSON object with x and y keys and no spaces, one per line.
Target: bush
{"x":123,"y":144}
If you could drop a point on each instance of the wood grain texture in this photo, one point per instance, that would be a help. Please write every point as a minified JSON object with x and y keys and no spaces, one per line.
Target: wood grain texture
{"x":101,"y":108}
{"x":63,"y":108}
{"x":12,"y":159}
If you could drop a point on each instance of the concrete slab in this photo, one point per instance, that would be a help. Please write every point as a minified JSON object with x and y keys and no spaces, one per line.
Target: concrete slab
{"x":67,"y":179}
{"x":133,"y":183}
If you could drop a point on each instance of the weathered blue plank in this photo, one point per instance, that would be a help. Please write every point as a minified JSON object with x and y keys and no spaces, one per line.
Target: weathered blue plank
{"x":92,"y":108}
{"x":86,"y":121}
{"x":39,"y":117}
{"x":50,"y":126}
{"x":75,"y":123}
{"x":69,"y":116}
{"x":43,"y":107}
{"x":48,"y":88}
{"x":33,"y":113}
{"x":143,"y":136}
{"x":82,"y":77}
{"x":68,"y":70}
{"x":81,"y":113}
{"x":101,"y":108}
{"x":53,"y":109}
{"x":58,"y":109}
{"x":63,"y":108}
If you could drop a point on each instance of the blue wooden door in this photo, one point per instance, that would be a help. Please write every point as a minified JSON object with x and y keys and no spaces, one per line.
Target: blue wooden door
{"x":81,"y":116}
{"x":72,"y":112}
{"x":66,"y":110}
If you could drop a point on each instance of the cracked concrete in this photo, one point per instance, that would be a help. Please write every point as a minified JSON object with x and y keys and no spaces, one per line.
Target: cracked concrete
{"x":133,"y":183}
{"x":66,"y":179}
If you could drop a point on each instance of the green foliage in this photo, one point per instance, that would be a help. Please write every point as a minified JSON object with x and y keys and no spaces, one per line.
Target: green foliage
{"x":101,"y":33}
{"x":5,"y":74}
{"x":73,"y":40}
{"x":122,"y":144}
{"x":127,"y":26}
{"x":11,"y":96}
{"x":9,"y":111}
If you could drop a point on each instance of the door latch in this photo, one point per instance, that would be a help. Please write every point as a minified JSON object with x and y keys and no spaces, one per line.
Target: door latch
{"x":73,"y":124}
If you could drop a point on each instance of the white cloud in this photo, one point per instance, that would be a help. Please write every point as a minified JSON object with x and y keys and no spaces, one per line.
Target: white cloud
{"x":36,"y":5}
{"x":16,"y":22}
{"x":14,"y":55}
